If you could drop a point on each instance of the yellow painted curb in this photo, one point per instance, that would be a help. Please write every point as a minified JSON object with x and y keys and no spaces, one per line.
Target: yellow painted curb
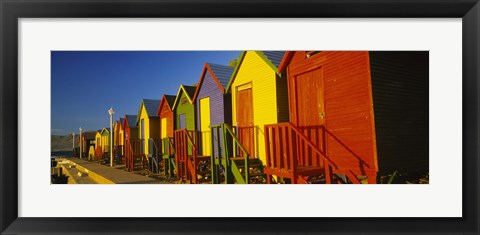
{"x":94,"y":176}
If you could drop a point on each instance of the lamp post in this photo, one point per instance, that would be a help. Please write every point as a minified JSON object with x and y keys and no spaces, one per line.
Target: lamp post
{"x":110,"y":111}
{"x":80,"y":129}
{"x":73,"y":143}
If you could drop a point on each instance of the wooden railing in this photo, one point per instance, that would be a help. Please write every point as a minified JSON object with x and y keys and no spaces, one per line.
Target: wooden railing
{"x":154,"y":153}
{"x":133,"y":149}
{"x":186,"y":147}
{"x":246,"y":136}
{"x":289,"y":147}
{"x":168,"y":147}
{"x":226,"y":131}
{"x":168,"y":150}
{"x":98,"y":153}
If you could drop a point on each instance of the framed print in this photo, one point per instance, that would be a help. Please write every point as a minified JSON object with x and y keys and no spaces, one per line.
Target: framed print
{"x":313,"y":125}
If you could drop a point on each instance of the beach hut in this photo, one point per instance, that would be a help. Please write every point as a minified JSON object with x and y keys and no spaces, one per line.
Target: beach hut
{"x":183,"y":107}
{"x":105,"y":133}
{"x":165,"y":112}
{"x":213,"y":106}
{"x":119,"y":139}
{"x":88,"y":144}
{"x":98,"y":145}
{"x":149,"y":131}
{"x":187,"y":156}
{"x":133,"y":153}
{"x":352,"y":114}
{"x":259,"y":97}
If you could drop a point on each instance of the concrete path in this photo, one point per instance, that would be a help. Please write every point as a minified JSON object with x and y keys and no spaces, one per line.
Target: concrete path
{"x":103,"y":174}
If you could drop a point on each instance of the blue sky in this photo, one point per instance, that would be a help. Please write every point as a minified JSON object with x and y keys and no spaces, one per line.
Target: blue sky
{"x":85,"y":84}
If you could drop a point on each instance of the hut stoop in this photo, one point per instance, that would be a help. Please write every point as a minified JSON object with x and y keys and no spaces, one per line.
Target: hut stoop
{"x":292,"y":157}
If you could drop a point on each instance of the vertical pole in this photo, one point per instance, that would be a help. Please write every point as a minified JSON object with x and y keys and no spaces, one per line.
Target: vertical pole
{"x":80,"y":129}
{"x":73,"y":143}
{"x":110,"y":111}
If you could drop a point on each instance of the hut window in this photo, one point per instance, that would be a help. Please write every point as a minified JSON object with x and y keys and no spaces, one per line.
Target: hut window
{"x":184,"y":101}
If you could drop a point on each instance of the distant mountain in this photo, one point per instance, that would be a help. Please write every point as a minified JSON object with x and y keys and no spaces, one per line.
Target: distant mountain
{"x":63,"y":142}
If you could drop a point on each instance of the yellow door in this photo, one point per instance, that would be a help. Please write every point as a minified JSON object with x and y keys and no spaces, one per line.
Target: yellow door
{"x":163,"y":128}
{"x":204,"y":126}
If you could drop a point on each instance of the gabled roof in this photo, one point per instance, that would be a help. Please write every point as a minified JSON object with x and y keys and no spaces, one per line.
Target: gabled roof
{"x":220,"y":73}
{"x":121,"y":122}
{"x":272,"y":58}
{"x":169,"y":99}
{"x":104,"y":130}
{"x":151,"y":107}
{"x":285,"y":61}
{"x":131,"y":119}
{"x":189,"y":92}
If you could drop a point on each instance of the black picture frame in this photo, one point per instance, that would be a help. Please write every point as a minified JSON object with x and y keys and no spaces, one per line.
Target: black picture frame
{"x":11,"y":11}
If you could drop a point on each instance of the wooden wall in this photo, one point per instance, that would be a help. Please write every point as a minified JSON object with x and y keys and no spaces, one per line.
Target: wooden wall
{"x":347,"y":104}
{"x":401,"y":102}
{"x":166,"y":112}
{"x":255,"y":70}
{"x":184,"y":107}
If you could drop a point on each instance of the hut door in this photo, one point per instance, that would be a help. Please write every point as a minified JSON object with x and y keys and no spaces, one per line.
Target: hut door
{"x":163,"y":128}
{"x":142,"y":130}
{"x":204,"y":126}
{"x":310,"y":106}
{"x":182,"y":121}
{"x":245,"y":118}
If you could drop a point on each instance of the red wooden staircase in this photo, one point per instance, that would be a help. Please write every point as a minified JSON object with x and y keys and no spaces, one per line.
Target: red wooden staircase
{"x":190,"y":166}
{"x":299,"y":155}
{"x":133,"y":154}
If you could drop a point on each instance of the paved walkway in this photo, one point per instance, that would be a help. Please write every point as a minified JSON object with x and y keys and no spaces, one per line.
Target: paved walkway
{"x":107,"y":175}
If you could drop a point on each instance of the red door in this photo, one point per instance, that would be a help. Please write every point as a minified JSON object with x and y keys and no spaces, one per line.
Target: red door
{"x":311,"y":110}
{"x":245,"y":125}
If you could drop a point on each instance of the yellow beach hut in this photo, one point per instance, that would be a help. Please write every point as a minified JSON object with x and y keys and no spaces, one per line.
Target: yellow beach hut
{"x":148,"y":123}
{"x":98,"y":145}
{"x":259,"y":97}
{"x":119,"y":138}
{"x":105,"y":140}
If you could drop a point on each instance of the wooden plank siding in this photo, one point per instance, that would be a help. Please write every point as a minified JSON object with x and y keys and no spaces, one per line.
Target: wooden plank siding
{"x":105,"y":140}
{"x":165,"y":111}
{"x":131,"y":132}
{"x":265,"y":89}
{"x":151,"y":128}
{"x":98,"y":140}
{"x":348,"y":114}
{"x":184,"y":107}
{"x":376,"y":107}
{"x":401,"y":103}
{"x":219,"y":105}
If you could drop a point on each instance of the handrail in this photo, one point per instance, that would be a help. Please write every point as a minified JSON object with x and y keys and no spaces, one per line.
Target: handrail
{"x":312,"y":145}
{"x":155,"y":147}
{"x":315,"y":149}
{"x":130,"y":157}
{"x":237,"y":141}
{"x":188,"y":139}
{"x":167,"y":143}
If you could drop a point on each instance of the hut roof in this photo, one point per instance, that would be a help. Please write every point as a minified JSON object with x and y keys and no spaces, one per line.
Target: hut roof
{"x":131,"y":119}
{"x":189,"y":92}
{"x":272,"y":58}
